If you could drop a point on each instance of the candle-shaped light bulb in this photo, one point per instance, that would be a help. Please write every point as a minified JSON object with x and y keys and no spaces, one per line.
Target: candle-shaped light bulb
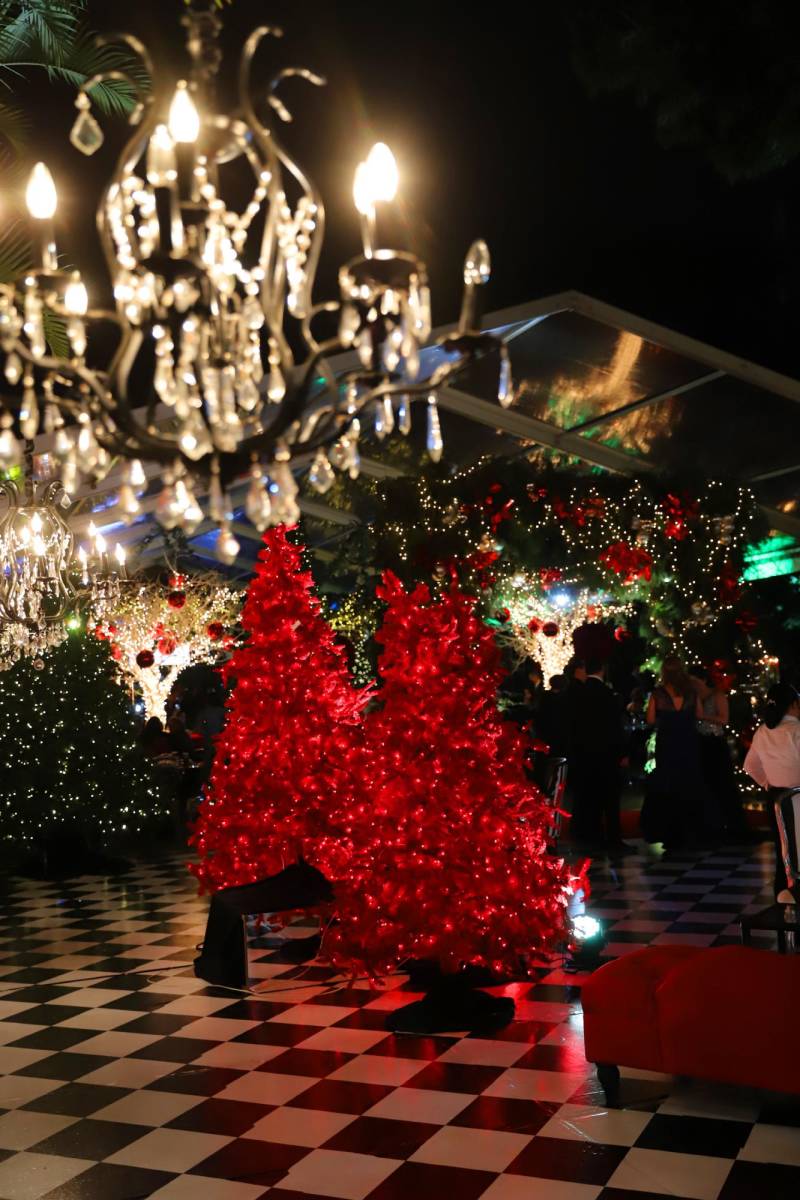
{"x":83,"y":557}
{"x":376,"y":179}
{"x":76,"y":298}
{"x":119,"y":554}
{"x":100,"y":544}
{"x":92,"y":531}
{"x":40,"y":195}
{"x":382,"y":173}
{"x":184,"y":119}
{"x":38,"y":545}
{"x":362,"y":192}
{"x":36,"y":523}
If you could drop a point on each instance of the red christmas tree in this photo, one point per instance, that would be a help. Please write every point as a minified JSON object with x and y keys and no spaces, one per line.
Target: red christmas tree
{"x":284,"y":781}
{"x":452,"y":865}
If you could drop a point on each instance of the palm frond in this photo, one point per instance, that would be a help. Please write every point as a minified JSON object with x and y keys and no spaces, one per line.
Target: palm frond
{"x":44,"y":27}
{"x":14,"y":125}
{"x":55,"y":331}
{"x":84,"y":58}
{"x":16,"y":253}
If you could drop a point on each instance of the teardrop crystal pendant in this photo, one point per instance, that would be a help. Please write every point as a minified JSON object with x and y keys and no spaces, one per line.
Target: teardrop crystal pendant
{"x":13,"y":370}
{"x":85,"y":135}
{"x":434,"y":444}
{"x":128,"y":505}
{"x":404,"y":415}
{"x":321,"y":476}
{"x":505,"y":392}
{"x":10,"y":449}
{"x":29,"y":414}
{"x":216,"y":500}
{"x":257,"y":505}
{"x":195,"y":440}
{"x":227,"y":546}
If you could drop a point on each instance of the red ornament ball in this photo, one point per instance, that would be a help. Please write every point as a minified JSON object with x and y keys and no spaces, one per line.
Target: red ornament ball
{"x":534,"y":625}
{"x":550,"y":629}
{"x":176,"y":599}
{"x":145,"y":658}
{"x":99,"y":633}
{"x":116,"y":652}
{"x":502,"y":615}
{"x":168,"y":644}
{"x":621,"y":634}
{"x":215,"y":630}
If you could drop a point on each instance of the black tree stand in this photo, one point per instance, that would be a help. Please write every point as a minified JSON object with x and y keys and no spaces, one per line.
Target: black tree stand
{"x":453,"y":1003}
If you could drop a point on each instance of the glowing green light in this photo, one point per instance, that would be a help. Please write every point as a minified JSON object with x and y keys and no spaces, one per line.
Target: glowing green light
{"x":778,"y":555}
{"x":74,"y":623}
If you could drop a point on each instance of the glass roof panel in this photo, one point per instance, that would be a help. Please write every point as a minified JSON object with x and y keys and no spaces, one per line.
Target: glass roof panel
{"x":727,"y":427}
{"x":570,"y":369}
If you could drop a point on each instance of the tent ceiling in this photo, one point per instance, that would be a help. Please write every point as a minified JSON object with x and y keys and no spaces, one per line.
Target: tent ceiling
{"x":597,"y":384}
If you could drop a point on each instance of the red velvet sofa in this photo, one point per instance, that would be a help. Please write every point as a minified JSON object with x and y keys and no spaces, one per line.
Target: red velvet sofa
{"x":730,"y":1014}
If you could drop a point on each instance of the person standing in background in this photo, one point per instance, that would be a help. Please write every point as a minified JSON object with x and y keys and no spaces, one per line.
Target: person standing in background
{"x":674,"y":807}
{"x":596,"y":745}
{"x":713,"y":716}
{"x":773,"y":761}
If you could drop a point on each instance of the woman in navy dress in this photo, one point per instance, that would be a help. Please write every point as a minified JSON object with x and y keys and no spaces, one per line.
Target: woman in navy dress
{"x":673,"y":812}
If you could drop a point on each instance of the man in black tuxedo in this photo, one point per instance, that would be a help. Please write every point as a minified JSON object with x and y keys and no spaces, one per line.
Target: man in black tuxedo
{"x":597,"y":745}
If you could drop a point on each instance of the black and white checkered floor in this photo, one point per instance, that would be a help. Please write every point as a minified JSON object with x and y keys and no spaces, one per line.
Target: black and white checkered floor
{"x":124,"y":1076}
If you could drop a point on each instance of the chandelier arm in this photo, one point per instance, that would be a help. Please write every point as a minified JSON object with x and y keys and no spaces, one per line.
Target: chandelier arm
{"x":278,"y":156}
{"x":270,"y":252}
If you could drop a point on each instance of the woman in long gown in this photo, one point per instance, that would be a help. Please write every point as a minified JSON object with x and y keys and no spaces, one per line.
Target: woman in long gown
{"x":673,"y":811}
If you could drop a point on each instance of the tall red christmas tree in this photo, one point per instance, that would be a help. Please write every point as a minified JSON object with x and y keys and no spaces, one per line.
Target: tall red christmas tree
{"x":452,"y":866}
{"x":284,"y":782}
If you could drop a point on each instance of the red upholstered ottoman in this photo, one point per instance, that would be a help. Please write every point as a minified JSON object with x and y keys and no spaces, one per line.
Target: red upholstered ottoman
{"x":729,"y":1014}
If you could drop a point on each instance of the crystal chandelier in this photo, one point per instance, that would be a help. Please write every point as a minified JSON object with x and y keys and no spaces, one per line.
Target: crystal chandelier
{"x":219,"y":371}
{"x":41,"y":575}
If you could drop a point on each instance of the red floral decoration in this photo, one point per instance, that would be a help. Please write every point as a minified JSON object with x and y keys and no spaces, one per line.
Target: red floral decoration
{"x":548,"y":576}
{"x":116,"y":652}
{"x":176,"y":599}
{"x":747,"y":621}
{"x":502,"y":615}
{"x":722,"y":674}
{"x":145,"y":658}
{"x":729,"y":589}
{"x":99,"y":633}
{"x":536,"y":493}
{"x":679,"y":511}
{"x":550,"y":629}
{"x":629,"y":562}
{"x":215,"y":630}
{"x":534,"y":625}
{"x":592,"y":508}
{"x":168,"y":644}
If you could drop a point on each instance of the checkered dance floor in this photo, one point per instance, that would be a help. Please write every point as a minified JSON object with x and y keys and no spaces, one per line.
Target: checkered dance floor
{"x":123,"y":1076}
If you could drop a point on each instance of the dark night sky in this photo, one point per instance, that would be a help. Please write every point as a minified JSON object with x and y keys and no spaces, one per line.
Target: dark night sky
{"x":497,"y":137}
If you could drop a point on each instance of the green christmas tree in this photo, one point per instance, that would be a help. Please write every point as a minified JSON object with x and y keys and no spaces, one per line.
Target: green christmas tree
{"x":71,"y":773}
